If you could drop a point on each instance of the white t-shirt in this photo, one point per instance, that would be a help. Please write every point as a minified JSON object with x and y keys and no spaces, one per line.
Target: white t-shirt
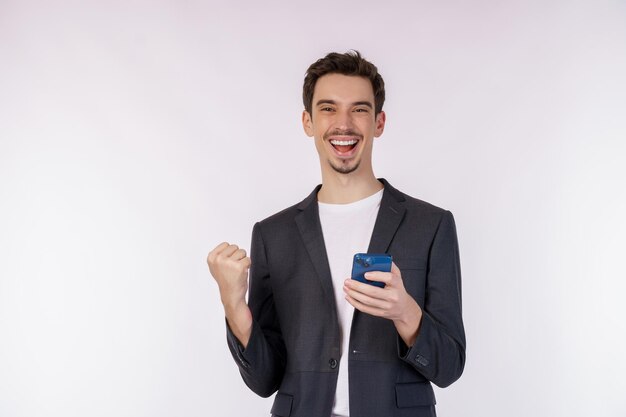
{"x":347,"y":230}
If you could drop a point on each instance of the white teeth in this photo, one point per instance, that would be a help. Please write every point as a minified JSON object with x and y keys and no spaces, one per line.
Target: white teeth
{"x":343,"y":142}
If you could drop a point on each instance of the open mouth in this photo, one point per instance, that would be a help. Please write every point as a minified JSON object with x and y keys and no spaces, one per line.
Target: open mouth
{"x":344,"y":146}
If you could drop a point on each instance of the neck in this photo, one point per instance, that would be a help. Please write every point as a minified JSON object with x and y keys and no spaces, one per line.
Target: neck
{"x":347,"y":188}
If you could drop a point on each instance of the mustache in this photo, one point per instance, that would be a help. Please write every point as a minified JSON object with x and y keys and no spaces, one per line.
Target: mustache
{"x":338,"y":132}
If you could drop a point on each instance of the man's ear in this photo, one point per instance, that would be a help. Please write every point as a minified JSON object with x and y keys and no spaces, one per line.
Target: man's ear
{"x":381,"y":118}
{"x":307,"y":123}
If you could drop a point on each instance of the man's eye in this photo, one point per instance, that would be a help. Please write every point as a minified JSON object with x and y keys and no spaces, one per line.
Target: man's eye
{"x":361,"y":110}
{"x":326,"y":109}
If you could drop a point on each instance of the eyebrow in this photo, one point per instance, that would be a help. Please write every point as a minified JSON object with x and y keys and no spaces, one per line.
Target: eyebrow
{"x":356,"y":103}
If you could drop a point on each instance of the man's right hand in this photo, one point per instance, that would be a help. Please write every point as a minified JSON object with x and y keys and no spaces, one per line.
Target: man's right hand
{"x":229,"y":266}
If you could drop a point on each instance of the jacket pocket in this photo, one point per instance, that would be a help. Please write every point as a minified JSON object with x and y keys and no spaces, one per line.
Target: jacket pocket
{"x":414,"y":277}
{"x":282,"y":405}
{"x":415,"y":394}
{"x":409,"y":263}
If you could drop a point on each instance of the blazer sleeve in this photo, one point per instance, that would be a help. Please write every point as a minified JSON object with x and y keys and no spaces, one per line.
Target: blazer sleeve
{"x":439,"y":349}
{"x":262,"y":363}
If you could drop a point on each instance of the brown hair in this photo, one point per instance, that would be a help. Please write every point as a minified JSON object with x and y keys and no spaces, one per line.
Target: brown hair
{"x":350,"y":63}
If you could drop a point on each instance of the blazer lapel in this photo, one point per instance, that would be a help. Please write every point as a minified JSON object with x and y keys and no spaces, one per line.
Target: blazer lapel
{"x":308,"y":222}
{"x":390,"y":215}
{"x":388,"y":220}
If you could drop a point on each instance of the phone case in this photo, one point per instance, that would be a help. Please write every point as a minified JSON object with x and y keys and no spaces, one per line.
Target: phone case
{"x":365,"y":262}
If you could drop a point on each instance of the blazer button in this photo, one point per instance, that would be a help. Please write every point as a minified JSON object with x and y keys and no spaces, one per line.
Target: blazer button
{"x":332,"y":363}
{"x":421,"y":360}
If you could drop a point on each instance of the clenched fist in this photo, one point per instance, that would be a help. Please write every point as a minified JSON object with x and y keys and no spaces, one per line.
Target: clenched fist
{"x":229,"y":266}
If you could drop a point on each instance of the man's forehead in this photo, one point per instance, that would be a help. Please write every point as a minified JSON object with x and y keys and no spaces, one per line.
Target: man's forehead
{"x":343,"y":87}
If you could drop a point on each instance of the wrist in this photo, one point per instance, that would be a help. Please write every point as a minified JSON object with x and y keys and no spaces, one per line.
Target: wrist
{"x":409,"y":323}
{"x":233,"y":306}
{"x":240,"y":322}
{"x":232,"y":300}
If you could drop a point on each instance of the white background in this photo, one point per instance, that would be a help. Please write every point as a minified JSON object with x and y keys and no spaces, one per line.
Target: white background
{"x":137,"y":135}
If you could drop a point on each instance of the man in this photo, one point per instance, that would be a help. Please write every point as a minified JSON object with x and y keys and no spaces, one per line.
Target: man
{"x":330,"y":345}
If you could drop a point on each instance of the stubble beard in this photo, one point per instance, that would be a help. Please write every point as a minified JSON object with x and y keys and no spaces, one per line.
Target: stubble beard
{"x":345,"y":169}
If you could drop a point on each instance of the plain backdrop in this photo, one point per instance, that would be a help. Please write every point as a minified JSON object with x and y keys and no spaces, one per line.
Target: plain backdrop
{"x":137,"y":135}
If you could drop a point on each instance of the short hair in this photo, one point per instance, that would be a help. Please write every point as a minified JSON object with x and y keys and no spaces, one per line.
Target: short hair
{"x":349,"y":63}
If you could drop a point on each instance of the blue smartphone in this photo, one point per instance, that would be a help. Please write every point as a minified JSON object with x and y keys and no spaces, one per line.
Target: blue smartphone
{"x":365,"y":262}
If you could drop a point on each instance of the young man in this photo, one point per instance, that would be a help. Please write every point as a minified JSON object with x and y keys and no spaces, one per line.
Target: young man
{"x":330,"y":345}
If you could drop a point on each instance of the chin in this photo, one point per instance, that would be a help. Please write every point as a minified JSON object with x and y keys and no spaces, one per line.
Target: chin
{"x":345,"y":169}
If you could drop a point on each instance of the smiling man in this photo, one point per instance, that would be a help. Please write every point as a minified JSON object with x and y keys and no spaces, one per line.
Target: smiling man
{"x":330,"y":345}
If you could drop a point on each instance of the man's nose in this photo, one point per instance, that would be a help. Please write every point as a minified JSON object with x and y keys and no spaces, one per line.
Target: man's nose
{"x":344,"y":120}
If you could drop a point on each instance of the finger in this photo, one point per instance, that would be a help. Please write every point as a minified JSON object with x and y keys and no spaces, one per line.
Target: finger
{"x":246,"y":262}
{"x":238,"y":255}
{"x":364,"y":308}
{"x":216,"y":251}
{"x":379,"y":276}
{"x":229,"y":251}
{"x":371,"y":290}
{"x":394,"y":269}
{"x":361,"y":300}
{"x":365,"y":298}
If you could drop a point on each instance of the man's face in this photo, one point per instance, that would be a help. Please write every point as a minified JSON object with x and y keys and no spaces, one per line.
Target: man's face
{"x":343,"y":122}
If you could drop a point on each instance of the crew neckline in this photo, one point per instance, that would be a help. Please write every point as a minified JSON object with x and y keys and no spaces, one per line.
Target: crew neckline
{"x":371,"y":200}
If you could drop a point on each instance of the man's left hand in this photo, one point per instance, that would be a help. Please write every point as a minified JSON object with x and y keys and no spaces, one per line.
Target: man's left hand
{"x":391,"y":302}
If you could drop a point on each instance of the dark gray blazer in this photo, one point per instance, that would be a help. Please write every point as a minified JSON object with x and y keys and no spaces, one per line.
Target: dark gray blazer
{"x":295,"y":343}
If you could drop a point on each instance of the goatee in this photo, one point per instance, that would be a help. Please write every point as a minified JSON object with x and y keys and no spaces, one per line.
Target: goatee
{"x":345,"y":169}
